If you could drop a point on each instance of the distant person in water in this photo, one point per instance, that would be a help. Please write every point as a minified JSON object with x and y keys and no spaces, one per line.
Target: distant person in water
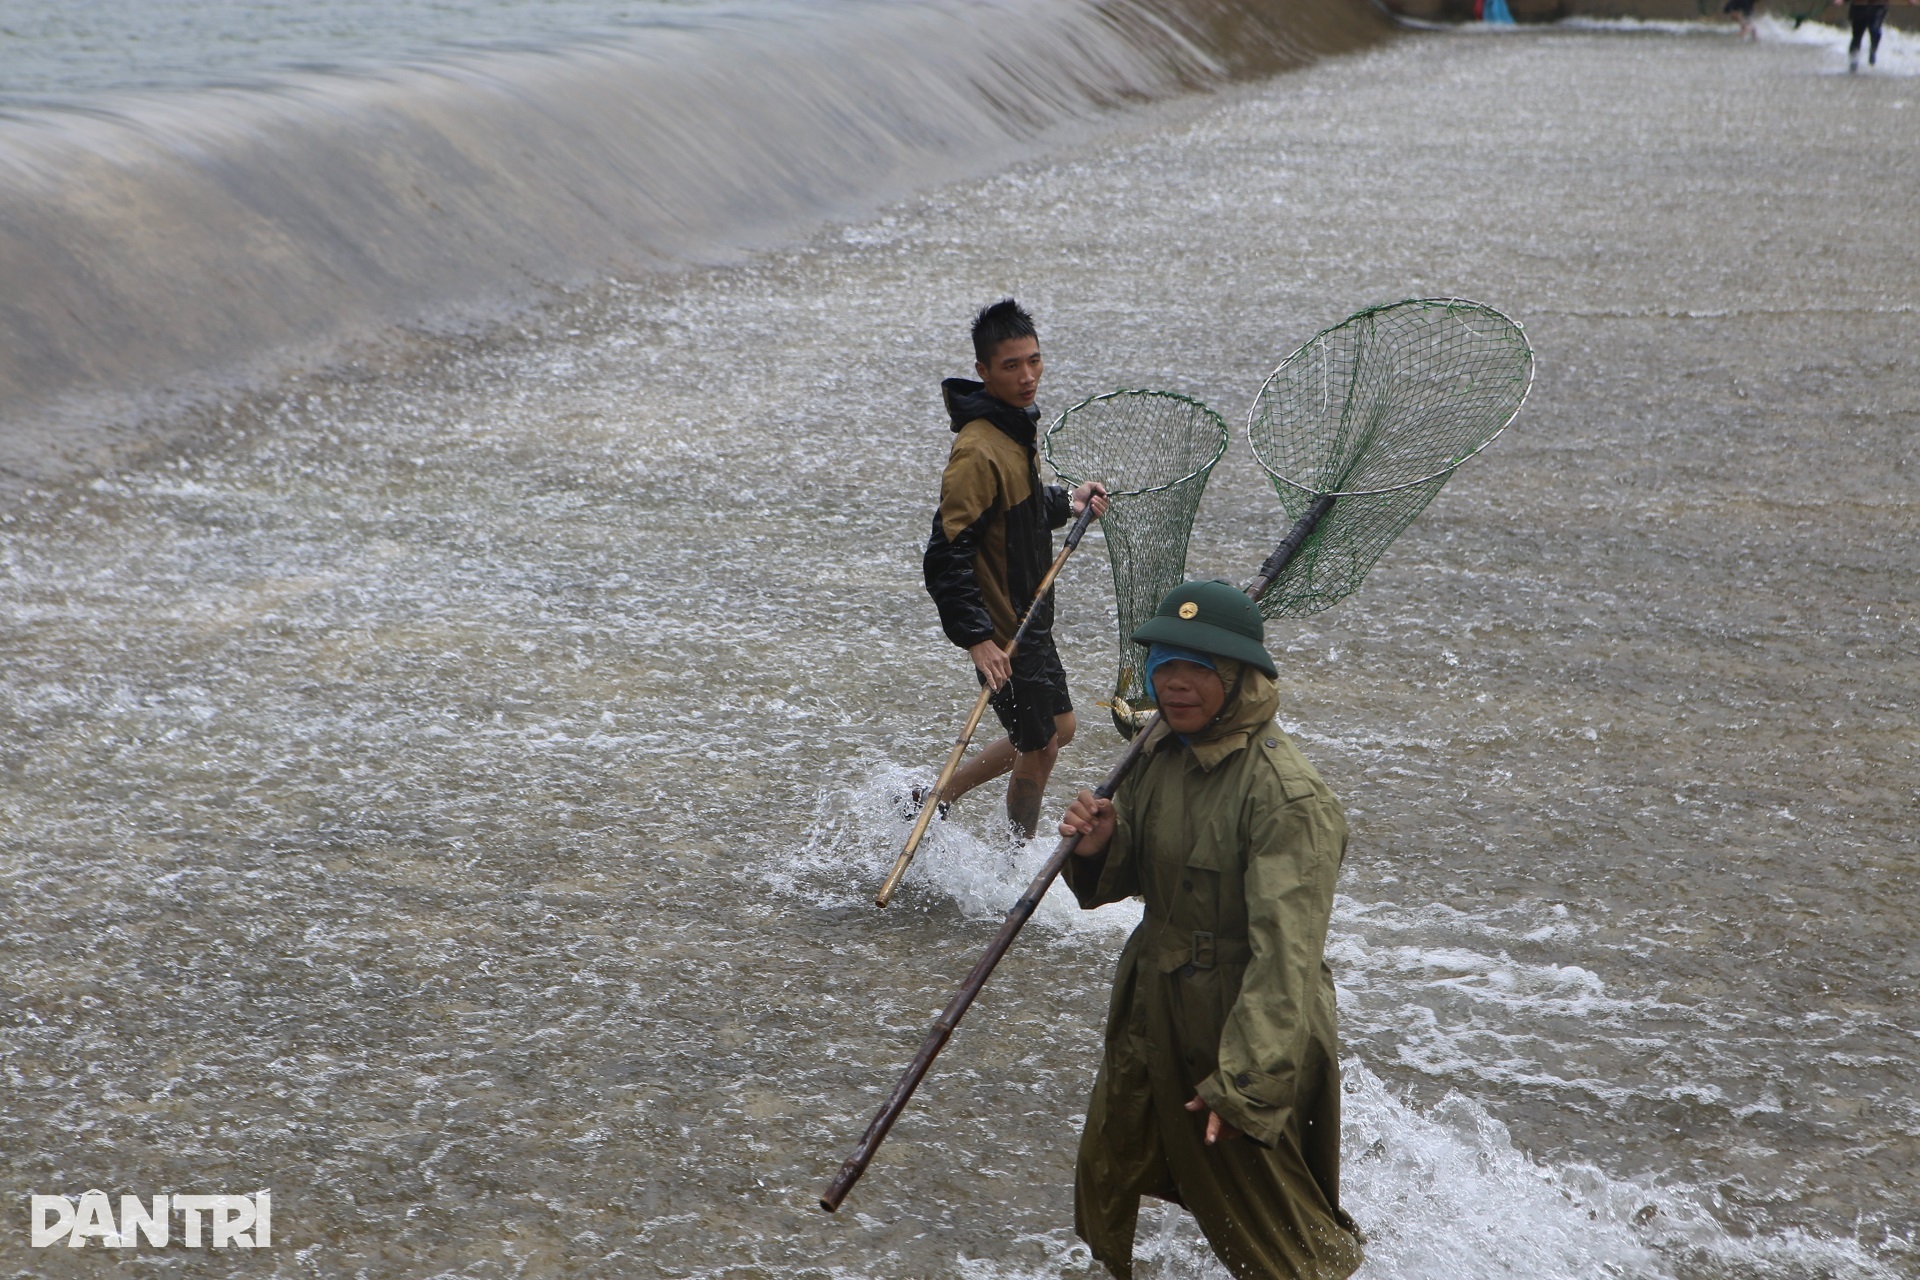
{"x":1742,"y":11}
{"x":990,"y":546}
{"x":1867,"y":20}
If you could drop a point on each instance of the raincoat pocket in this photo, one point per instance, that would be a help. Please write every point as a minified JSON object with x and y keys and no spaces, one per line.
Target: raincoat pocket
{"x":1216,"y":845}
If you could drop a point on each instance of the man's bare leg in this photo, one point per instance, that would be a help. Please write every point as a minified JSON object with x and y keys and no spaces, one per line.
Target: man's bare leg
{"x":983,"y":768}
{"x":1028,"y":787}
{"x":1030,"y":770}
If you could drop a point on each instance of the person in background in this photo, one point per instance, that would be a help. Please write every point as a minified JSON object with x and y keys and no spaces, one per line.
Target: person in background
{"x":1742,"y":11}
{"x":1867,"y":20}
{"x":990,"y":546}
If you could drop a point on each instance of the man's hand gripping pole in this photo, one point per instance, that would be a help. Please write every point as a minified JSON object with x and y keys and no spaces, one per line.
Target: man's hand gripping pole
{"x":931,"y":804}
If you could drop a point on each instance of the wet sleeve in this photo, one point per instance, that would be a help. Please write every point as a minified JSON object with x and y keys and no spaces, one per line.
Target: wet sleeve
{"x":1059,"y":506}
{"x":967,"y":490}
{"x":948,"y":567}
{"x":1115,"y":874}
{"x":1292,"y":862}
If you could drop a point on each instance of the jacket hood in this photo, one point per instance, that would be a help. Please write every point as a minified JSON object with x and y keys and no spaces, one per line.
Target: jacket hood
{"x":968,"y":401}
{"x":1253,"y":699}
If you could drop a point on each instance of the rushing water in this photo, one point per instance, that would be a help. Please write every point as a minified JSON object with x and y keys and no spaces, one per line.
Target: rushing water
{"x":159,"y":249}
{"x":451,"y":794}
{"x":64,"y":54}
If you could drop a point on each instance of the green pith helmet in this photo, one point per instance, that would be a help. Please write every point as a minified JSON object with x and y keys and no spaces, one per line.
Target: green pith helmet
{"x":1210,"y":617}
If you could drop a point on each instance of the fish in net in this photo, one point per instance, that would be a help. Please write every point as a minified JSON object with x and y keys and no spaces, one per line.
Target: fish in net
{"x":1154,"y":451}
{"x":1374,"y":414}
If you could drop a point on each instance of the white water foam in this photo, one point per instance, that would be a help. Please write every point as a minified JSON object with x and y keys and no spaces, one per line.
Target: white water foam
{"x":1446,"y":991}
{"x":1899,"y":50}
{"x":1443,"y":1194}
{"x":859,"y":830}
{"x":1653,"y":26}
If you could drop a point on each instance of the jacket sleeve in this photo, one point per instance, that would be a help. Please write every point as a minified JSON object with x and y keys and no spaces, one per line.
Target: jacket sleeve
{"x":1292,"y":862}
{"x":948,"y":566}
{"x":967,"y":490}
{"x":1059,"y":506}
{"x":1114,"y":874}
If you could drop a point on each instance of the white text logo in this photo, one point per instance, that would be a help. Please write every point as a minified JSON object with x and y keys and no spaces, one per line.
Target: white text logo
{"x":224,"y":1222}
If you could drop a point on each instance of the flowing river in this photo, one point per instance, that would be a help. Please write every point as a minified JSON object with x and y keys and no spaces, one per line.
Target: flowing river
{"x":450,"y":791}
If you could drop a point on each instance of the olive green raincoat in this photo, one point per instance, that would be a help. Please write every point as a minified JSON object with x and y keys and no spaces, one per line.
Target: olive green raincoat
{"x":1234,"y":842}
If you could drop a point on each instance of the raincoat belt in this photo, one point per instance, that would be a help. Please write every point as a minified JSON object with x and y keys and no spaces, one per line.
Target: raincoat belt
{"x":1173,"y":949}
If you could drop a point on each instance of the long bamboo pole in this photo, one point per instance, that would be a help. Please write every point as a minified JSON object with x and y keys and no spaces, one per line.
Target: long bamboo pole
{"x":1023,"y":909}
{"x":932,"y":801}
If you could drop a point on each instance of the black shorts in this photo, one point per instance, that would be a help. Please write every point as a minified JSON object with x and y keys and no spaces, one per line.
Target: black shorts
{"x":1739,"y":6}
{"x":1027,"y":704}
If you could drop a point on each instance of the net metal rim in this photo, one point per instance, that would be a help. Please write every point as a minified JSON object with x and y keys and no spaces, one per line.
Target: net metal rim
{"x":1226,"y":436}
{"x":1449,"y":468}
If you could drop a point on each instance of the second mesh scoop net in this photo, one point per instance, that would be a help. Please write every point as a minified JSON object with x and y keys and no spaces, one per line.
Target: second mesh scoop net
{"x":1376,"y":412}
{"x":1154,"y":451}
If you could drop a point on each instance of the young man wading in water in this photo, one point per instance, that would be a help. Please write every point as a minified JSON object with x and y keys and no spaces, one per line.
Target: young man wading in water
{"x":1220,"y":1086}
{"x":990,"y":547}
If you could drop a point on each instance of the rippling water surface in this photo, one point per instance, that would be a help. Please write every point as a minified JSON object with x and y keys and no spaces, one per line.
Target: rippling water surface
{"x":61,"y":52}
{"x":452,"y":795}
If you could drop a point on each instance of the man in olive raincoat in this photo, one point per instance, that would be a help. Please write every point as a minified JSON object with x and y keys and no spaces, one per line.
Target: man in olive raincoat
{"x":1220,"y":1086}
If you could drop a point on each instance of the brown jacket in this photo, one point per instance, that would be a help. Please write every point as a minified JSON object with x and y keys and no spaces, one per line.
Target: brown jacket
{"x":991,"y":541}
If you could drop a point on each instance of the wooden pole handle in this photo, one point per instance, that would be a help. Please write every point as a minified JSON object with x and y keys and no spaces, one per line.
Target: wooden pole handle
{"x":932,"y":804}
{"x":943,"y":1026}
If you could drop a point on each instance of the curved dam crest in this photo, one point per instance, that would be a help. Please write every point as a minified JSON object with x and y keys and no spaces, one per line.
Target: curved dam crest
{"x":161,"y":248}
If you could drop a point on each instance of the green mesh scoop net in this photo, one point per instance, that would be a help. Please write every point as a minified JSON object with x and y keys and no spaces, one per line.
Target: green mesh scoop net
{"x":1376,"y":413}
{"x":1154,"y":451}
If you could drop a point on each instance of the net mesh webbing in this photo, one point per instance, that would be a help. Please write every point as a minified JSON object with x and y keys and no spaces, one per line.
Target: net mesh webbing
{"x":1378,"y":410}
{"x":1153,"y":450}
